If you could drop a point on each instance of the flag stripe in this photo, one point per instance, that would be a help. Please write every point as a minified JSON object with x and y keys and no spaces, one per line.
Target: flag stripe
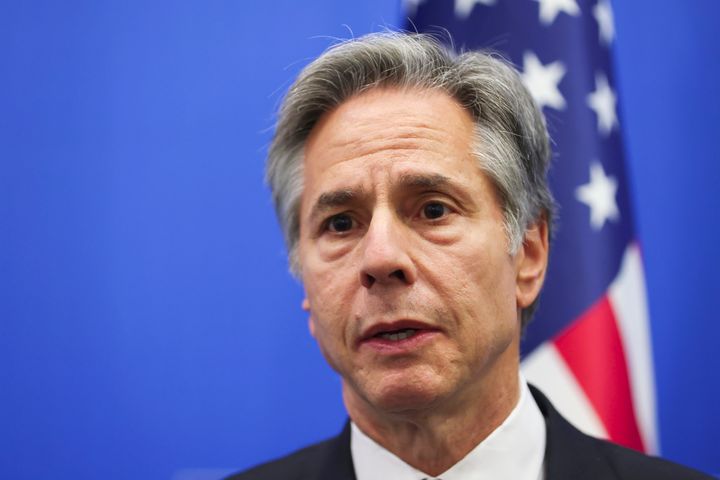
{"x":594,"y":352}
{"x":627,"y":295}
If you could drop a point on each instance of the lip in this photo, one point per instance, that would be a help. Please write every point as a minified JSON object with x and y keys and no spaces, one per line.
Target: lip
{"x":424,"y":333}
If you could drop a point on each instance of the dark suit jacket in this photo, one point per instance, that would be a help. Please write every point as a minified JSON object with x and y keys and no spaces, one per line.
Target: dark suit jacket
{"x":569,"y":454}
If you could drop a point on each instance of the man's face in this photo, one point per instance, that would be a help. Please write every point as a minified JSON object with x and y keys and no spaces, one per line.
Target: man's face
{"x":413,"y":296}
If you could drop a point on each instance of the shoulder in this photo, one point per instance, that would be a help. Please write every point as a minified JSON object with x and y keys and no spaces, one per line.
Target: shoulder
{"x":330,"y":459}
{"x":300,"y":464}
{"x":572,"y":454}
{"x":635,"y":465}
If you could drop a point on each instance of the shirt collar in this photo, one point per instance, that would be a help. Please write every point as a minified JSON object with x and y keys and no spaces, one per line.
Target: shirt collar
{"x":515,"y":450}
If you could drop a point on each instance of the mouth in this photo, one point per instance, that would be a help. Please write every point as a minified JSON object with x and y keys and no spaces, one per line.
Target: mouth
{"x":403,"y":334}
{"x":397,"y":335}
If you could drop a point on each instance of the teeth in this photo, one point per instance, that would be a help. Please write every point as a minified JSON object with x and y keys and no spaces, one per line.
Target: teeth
{"x":402,"y":335}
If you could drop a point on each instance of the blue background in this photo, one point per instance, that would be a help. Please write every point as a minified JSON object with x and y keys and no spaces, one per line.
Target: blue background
{"x":148,"y":326}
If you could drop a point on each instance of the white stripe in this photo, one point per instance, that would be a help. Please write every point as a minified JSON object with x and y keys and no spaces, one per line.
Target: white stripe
{"x":547,"y":370}
{"x":628,"y":298}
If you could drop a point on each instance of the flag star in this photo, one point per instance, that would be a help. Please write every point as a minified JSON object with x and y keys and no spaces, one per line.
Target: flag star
{"x":599,"y":195}
{"x":542,"y":81}
{"x":604,"y":15}
{"x":411,"y":6}
{"x":603,"y":101}
{"x":549,"y":9}
{"x":463,"y":8}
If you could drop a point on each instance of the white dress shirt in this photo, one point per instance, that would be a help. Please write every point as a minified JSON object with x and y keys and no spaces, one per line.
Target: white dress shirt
{"x":513,"y":451}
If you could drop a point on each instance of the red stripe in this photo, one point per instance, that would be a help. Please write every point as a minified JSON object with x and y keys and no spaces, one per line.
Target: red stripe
{"x":593,"y":350}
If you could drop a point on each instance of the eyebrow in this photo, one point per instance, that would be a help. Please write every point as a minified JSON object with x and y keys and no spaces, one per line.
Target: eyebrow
{"x":345,"y":196}
{"x":423,"y":180}
{"x":437,"y":182}
{"x":335,"y":198}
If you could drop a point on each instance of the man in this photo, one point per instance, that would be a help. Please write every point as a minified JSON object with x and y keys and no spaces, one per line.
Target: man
{"x":411,"y":187}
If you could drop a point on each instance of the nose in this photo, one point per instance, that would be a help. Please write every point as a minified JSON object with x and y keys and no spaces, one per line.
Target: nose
{"x":385,"y":256}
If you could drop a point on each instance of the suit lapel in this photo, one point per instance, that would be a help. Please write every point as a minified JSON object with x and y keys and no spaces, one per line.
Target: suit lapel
{"x":570,"y":453}
{"x":338,"y":464}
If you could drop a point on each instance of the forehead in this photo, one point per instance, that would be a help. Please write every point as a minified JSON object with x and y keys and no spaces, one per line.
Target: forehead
{"x":391,"y":130}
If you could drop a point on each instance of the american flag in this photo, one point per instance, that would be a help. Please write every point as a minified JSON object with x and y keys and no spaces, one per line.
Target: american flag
{"x":588,"y":347}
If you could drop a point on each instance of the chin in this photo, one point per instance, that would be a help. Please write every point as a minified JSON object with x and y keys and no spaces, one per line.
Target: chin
{"x":405,"y":402}
{"x":408,"y":394}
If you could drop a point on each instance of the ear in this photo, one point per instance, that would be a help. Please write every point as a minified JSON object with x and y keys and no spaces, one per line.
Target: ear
{"x":311,"y":324}
{"x":531,"y":263}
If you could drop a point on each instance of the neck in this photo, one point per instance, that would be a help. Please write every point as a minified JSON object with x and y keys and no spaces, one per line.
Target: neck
{"x":435,"y":438}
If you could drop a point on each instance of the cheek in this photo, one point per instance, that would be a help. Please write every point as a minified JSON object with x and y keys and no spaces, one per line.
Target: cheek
{"x":328,"y":288}
{"x":327,"y":342}
{"x":482,"y":285}
{"x":329,"y":329}
{"x":329,"y":302}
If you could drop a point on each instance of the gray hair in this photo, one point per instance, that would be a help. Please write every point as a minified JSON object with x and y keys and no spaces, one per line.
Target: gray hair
{"x":511,"y":140}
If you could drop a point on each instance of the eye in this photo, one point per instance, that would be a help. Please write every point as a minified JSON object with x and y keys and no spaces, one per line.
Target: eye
{"x":341,"y":222}
{"x":434,"y":210}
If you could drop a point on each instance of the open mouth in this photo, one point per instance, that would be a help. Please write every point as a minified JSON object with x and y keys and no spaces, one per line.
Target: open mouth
{"x":397,"y":335}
